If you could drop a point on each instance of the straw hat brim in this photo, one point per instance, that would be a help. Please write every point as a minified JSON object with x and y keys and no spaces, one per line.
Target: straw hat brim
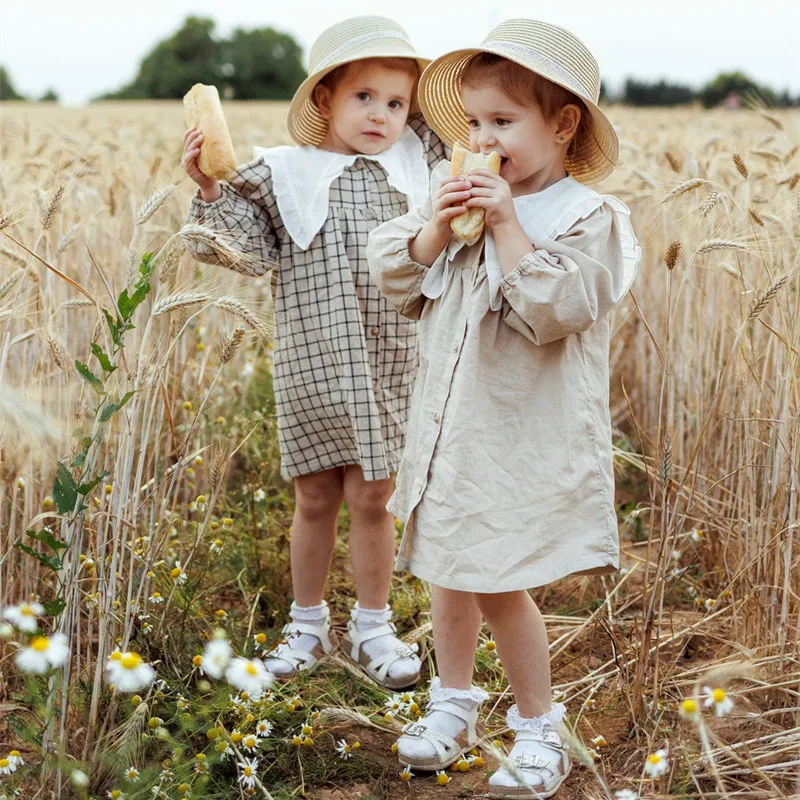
{"x":306,"y":125}
{"x":589,"y":160}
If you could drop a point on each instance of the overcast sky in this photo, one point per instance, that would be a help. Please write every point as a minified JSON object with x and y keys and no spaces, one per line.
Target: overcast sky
{"x":82,"y":48}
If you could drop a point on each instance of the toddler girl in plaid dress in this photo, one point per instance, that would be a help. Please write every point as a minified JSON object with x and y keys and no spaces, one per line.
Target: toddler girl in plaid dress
{"x":507,"y":477}
{"x":344,"y":360}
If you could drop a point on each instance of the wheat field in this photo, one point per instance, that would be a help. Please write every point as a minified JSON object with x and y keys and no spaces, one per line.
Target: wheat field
{"x":141,"y":503}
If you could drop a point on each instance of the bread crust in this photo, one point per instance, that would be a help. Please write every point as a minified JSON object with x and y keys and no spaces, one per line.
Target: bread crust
{"x":470,"y":224}
{"x":204,"y":111}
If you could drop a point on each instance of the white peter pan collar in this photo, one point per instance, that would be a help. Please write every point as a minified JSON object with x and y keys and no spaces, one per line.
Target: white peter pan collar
{"x":302,"y":178}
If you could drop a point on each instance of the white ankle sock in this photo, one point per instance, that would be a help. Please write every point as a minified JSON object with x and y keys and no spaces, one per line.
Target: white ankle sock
{"x":527,"y":748}
{"x":441,"y":721}
{"x":311,"y":615}
{"x":366,"y":618}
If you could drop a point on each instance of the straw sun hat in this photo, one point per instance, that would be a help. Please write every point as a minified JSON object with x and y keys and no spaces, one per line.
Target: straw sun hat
{"x":349,"y":40}
{"x":547,"y":50}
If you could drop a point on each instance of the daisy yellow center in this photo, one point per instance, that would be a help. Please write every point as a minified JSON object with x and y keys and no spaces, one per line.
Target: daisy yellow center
{"x":197,"y":661}
{"x":4,"y":762}
{"x":115,"y":794}
{"x":261,"y":638}
{"x":115,"y":656}
{"x":14,"y":754}
{"x":718,"y":695}
{"x":130,"y":660}
{"x":248,"y":771}
{"x":40,"y":643}
{"x":176,"y":572}
{"x":251,"y":669}
{"x":218,"y":542}
{"x":654,"y":758}
{"x":131,"y":773}
{"x":249,"y":742}
{"x":26,"y":610}
{"x":689,"y":706}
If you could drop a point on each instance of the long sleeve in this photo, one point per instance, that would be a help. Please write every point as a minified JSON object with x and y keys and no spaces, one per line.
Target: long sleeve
{"x":397,"y":276}
{"x":245,"y":214}
{"x":567,"y":285}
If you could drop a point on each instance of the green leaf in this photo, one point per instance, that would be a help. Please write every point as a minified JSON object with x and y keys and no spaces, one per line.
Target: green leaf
{"x":87,"y":487}
{"x":54,"y":607}
{"x":90,"y":377}
{"x":51,"y":562}
{"x":65,"y":492}
{"x":116,"y":327}
{"x":105,"y":363}
{"x":86,"y":442}
{"x":111,"y":408}
{"x":45,"y":536}
{"x":128,"y":304}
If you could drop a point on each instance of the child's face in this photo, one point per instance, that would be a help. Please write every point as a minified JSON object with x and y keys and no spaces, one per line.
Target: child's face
{"x":367,"y":110}
{"x":532,"y":156}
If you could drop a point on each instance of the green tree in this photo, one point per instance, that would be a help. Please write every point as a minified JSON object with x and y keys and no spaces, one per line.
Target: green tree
{"x":50,"y":96}
{"x":7,"y":90}
{"x":715,"y":91}
{"x":262,"y":64}
{"x":661,"y":93}
{"x":189,"y":56}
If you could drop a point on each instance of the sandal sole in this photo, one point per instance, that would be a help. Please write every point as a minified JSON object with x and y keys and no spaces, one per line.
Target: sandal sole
{"x":511,"y":792}
{"x":429,"y":764}
{"x":318,"y":652}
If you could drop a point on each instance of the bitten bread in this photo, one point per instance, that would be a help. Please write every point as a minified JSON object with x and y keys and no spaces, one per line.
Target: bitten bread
{"x":204,"y":112}
{"x":470,"y":224}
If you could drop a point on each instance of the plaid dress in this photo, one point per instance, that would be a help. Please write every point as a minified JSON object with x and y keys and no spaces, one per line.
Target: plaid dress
{"x":344,"y":359}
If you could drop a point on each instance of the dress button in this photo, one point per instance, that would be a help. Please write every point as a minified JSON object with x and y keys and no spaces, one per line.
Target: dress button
{"x":373,"y":331}
{"x":437,"y":419}
{"x":455,"y":348}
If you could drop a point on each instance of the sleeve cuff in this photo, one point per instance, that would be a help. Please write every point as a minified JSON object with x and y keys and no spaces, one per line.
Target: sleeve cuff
{"x":200,"y":207}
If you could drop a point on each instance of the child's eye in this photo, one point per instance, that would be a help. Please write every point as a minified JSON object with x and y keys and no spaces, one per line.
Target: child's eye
{"x":473,"y":123}
{"x":395,"y":104}
{"x":502,"y":122}
{"x":363,"y":96}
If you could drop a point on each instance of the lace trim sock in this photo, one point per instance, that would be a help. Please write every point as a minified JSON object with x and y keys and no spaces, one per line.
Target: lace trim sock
{"x":309,"y":615}
{"x":553,"y":717}
{"x":473,"y":695}
{"x":366,"y":618}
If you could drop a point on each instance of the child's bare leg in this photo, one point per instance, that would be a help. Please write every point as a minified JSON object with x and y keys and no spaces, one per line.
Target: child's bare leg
{"x":456,"y":622}
{"x":318,"y":498}
{"x":518,"y":629}
{"x":371,"y":536}
{"x":372,"y":553}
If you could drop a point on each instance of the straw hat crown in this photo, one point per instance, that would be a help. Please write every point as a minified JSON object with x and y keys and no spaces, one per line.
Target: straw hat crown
{"x":549,"y":51}
{"x":350,"y":40}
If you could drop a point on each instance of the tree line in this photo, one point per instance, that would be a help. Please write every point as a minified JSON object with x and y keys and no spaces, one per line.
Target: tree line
{"x":265,"y":64}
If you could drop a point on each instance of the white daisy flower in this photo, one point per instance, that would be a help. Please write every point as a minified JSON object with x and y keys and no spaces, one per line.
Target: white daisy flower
{"x":15,"y":757}
{"x":216,"y":657}
{"x":132,"y":774}
{"x":688,"y":710}
{"x":259,"y":495}
{"x":6,"y":767}
{"x":24,"y":616}
{"x":42,"y":653}
{"x":656,"y":764}
{"x":442,"y":778}
{"x":247,"y":772}
{"x":128,"y":672}
{"x":248,"y":675}
{"x":247,"y":369}
{"x":344,"y":750}
{"x":216,"y":547}
{"x":719,"y":699}
{"x":696,"y":535}
{"x":156,"y":598}
{"x":626,"y":794}
{"x":264,"y":728}
{"x":250,"y":743}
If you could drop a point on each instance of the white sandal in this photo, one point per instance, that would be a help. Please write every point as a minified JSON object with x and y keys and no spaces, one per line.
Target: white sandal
{"x":378,"y":668}
{"x":302,"y":660}
{"x":448,"y":749}
{"x":531,"y":775}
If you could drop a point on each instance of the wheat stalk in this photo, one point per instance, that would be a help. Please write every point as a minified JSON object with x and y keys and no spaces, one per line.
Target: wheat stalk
{"x":708,"y":245}
{"x":177,"y":300}
{"x":153,"y":203}
{"x":709,"y":203}
{"x":765,"y":298}
{"x":15,"y":257}
{"x":230,"y":345}
{"x":741,"y":167}
{"x":51,"y":209}
{"x":239,"y":309}
{"x":10,"y":281}
{"x":683,"y":188}
{"x":672,"y":255}
{"x":78,"y":302}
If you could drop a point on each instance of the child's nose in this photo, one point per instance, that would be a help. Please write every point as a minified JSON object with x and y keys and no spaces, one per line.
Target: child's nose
{"x":377,"y":115}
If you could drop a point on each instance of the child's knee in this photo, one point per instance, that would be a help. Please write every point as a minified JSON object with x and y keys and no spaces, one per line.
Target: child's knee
{"x":494,"y":606}
{"x":370,"y":498}
{"x":317,"y":500}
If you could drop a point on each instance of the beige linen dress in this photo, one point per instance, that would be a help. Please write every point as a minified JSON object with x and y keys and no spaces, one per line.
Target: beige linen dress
{"x":506,"y":480}
{"x":344,"y":359}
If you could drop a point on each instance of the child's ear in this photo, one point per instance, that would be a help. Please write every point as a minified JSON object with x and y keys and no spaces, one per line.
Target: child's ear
{"x":322,"y":97}
{"x":568,"y":120}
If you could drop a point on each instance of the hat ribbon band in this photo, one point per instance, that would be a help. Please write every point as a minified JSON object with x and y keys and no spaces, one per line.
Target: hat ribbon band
{"x":333,"y":57}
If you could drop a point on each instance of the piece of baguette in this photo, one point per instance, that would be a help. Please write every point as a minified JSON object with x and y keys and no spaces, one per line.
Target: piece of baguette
{"x":470,"y":224}
{"x":204,"y":112}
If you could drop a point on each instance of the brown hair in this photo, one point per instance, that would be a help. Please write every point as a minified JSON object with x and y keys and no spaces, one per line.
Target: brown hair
{"x":335,"y":76}
{"x":525,"y":87}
